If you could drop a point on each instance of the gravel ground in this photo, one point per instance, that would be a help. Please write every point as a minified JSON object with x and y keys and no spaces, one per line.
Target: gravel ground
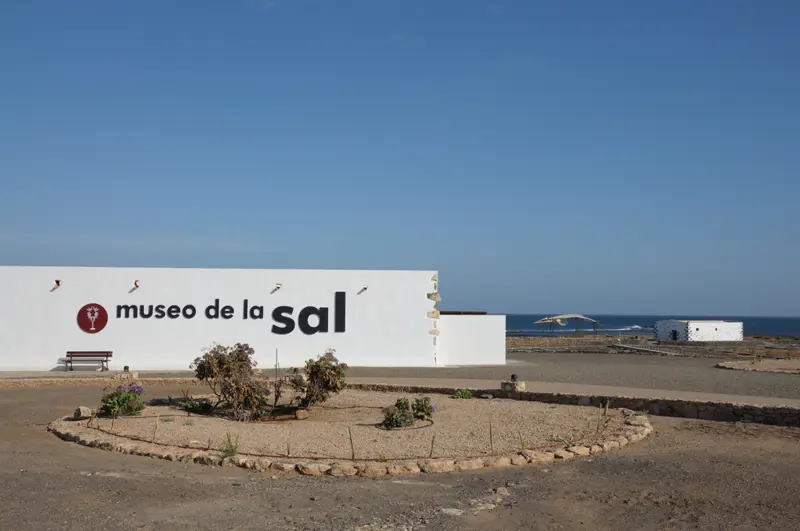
{"x":460,"y":429}
{"x":649,"y":372}
{"x":689,"y":475}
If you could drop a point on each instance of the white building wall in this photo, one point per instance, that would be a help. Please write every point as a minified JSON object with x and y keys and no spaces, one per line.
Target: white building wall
{"x":699,"y":330}
{"x":388,"y":324}
{"x":715,"y":331}
{"x":472,"y":340}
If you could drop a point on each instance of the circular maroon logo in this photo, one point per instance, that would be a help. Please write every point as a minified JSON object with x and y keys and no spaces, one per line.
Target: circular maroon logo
{"x":92,"y":318}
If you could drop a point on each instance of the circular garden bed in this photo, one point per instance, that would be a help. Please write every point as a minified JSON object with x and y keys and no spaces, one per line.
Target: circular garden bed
{"x":344,"y":435}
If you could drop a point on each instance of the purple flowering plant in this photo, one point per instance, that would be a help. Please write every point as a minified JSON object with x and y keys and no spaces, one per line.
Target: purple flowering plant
{"x":125,"y":400}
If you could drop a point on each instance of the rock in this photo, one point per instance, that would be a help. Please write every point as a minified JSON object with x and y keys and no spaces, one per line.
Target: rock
{"x":623,"y":441}
{"x":342,"y":470}
{"x":82,"y":412}
{"x":502,"y":491}
{"x":434,"y":466}
{"x":497,"y":462}
{"x":301,"y":414}
{"x":451,"y":511}
{"x":241,"y":461}
{"x":128,"y":448}
{"x":518,"y":460}
{"x":580,"y":450}
{"x":282,"y":467}
{"x":403,"y":469}
{"x":372,"y":470}
{"x":563,"y":454}
{"x":469,"y":464}
{"x":207,"y":459}
{"x":312,"y":469}
{"x":637,"y":421}
{"x":512,"y":387}
{"x":634,"y":437}
{"x":487,"y":397}
{"x":595,"y":449}
{"x":609,"y":445}
{"x":539,"y":457}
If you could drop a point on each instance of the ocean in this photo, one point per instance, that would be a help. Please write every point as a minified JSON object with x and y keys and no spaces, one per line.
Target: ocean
{"x":523,"y":325}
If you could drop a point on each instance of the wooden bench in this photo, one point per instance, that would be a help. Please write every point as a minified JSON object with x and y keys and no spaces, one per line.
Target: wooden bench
{"x":88,"y":355}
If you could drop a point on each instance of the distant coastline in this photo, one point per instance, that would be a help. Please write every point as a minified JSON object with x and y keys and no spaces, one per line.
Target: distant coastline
{"x":522,"y":325}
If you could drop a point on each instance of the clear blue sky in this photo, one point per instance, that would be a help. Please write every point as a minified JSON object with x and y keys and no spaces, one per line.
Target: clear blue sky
{"x":598,"y":157}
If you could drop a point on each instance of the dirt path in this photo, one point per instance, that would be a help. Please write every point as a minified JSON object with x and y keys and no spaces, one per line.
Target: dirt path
{"x":689,"y":475}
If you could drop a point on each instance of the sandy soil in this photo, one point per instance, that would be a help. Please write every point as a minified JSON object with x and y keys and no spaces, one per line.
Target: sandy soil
{"x":460,"y":428}
{"x":790,"y":366}
{"x":690,"y":474}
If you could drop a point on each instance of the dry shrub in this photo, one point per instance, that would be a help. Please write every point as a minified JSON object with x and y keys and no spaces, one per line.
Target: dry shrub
{"x":231,"y":376}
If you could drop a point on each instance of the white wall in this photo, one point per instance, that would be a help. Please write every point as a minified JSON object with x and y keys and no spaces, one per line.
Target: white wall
{"x":715,"y":331}
{"x":699,"y":330}
{"x":387,"y":325}
{"x":472,"y":340}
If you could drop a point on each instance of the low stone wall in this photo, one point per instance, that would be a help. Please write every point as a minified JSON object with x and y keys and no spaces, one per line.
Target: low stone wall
{"x":722,"y":411}
{"x":668,"y":407}
{"x":15,"y":383}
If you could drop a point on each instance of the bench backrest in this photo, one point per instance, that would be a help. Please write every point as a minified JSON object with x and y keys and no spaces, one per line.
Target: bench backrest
{"x":89,"y":354}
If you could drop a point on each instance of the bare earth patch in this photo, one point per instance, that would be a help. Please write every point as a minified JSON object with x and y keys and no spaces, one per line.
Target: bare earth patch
{"x":460,"y":427}
{"x":788,"y":366}
{"x":464,"y":434}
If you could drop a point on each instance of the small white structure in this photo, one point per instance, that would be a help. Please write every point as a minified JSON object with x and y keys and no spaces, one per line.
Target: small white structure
{"x":683,"y":330}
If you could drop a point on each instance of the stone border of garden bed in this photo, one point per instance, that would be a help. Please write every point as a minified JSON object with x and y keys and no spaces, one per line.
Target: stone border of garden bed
{"x":637,"y":427}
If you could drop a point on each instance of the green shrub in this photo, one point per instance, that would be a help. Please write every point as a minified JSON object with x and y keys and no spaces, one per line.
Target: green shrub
{"x":423,"y":410}
{"x":125,"y":400}
{"x":323,"y":377}
{"x":230,"y":445}
{"x":463,"y":393}
{"x":399,"y":415}
{"x":402,"y":414}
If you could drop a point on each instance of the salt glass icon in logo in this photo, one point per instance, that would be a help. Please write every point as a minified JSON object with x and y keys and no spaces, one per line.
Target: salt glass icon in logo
{"x":92,"y":318}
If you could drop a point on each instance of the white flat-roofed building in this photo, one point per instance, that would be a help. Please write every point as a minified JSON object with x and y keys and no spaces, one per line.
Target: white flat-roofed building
{"x":700,"y":330}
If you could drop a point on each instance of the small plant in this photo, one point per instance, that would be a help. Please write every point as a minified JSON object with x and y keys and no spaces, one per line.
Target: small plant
{"x":230,"y":445}
{"x":323,"y":377}
{"x":422,"y":408}
{"x":403,"y":413}
{"x":125,"y":400}
{"x":463,"y":393}
{"x":397,"y":417}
